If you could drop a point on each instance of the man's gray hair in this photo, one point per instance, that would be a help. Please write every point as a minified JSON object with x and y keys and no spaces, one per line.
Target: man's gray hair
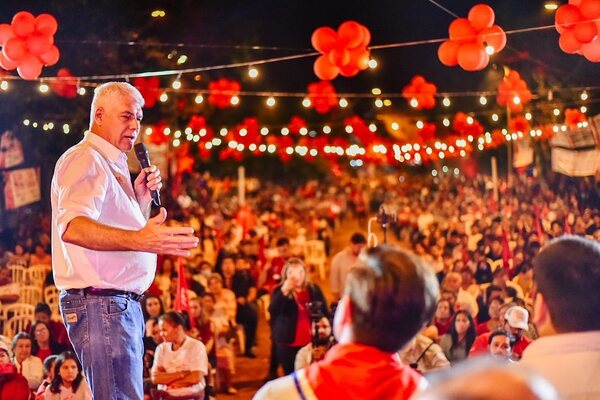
{"x":114,"y":90}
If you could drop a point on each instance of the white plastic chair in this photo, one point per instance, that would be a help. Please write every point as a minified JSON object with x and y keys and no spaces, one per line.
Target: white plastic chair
{"x":18,"y":273}
{"x":51,"y":297}
{"x":314,"y":254}
{"x":36,"y":274}
{"x":30,"y":294}
{"x":17,"y":324}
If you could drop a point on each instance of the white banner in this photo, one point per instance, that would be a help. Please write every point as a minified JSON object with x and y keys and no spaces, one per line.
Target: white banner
{"x":11,"y":151}
{"x":22,"y":187}
{"x":575,"y":163}
{"x":523,"y":153}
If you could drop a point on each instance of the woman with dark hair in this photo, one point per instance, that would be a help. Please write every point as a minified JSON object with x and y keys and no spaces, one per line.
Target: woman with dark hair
{"x":43,"y":344}
{"x":290,"y":313}
{"x":152,"y":308}
{"x":180,"y":363}
{"x":68,"y":381}
{"x":457,"y":343}
{"x":442,"y":319}
{"x":49,"y":375}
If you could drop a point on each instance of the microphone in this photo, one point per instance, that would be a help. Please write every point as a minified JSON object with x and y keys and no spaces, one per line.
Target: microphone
{"x":141,"y":152}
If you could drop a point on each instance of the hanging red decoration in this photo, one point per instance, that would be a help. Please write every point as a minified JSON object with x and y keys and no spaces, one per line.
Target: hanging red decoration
{"x":513,"y":92}
{"x":469,"y":37}
{"x":579,"y":26}
{"x":248,"y":132}
{"x":464,"y":125}
{"x":66,"y":85}
{"x":198,"y":125}
{"x":296,"y":124}
{"x":519,"y":124}
{"x":427,"y":132}
{"x":420,"y":93}
{"x":343,"y":52}
{"x":360,"y":129}
{"x":573,"y":117}
{"x":322,"y":96}
{"x":157,"y":135}
{"x":222,"y":91}
{"x":149,"y":88}
{"x":28,"y":44}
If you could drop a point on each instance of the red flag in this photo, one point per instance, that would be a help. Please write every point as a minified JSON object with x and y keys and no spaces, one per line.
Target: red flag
{"x":506,"y":253}
{"x":182,"y":302}
{"x":567,"y":226}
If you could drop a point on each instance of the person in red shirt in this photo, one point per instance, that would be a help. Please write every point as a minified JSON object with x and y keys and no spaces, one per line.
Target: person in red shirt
{"x":386,"y":302}
{"x":57,"y":329}
{"x":13,"y":385}
{"x":516,"y":323}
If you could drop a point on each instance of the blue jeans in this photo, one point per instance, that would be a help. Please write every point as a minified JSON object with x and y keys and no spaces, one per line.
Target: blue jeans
{"x":107,"y":335}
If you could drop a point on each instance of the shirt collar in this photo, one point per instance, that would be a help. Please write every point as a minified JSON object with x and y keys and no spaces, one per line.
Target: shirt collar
{"x":107,"y":149}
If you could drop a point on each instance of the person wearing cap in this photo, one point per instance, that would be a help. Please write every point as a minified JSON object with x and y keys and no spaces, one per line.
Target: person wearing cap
{"x":343,"y":261}
{"x":567,"y":276}
{"x":516,"y":322}
{"x":12,"y":384}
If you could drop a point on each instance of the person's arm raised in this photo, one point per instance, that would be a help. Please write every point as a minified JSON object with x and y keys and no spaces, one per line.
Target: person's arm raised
{"x":152,"y":238}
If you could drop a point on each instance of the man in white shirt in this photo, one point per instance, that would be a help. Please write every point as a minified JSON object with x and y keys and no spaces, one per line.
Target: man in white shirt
{"x":104,"y":246}
{"x":343,"y":261}
{"x":567,"y":274}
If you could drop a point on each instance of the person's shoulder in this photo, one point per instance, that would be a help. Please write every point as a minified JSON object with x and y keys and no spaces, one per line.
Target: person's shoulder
{"x":81,"y":153}
{"x":195,"y":343}
{"x":280,"y":388}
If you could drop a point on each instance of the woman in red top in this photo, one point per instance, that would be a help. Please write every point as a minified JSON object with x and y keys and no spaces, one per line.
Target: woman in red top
{"x":290,"y":315}
{"x":43,"y":345}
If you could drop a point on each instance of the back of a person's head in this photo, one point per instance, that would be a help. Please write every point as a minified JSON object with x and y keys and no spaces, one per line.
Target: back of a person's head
{"x":392,"y":297}
{"x":358,"y":238}
{"x":567,"y":273}
{"x":488,"y":379}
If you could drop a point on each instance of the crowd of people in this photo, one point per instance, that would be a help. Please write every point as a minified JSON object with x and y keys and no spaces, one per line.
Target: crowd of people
{"x":249,"y":265}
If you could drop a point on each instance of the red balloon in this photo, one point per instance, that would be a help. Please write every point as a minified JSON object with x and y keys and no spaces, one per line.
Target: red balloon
{"x":349,"y":70}
{"x":472,"y":57}
{"x":591,"y":50}
{"x":494,"y":36}
{"x":23,"y":24}
{"x":46,"y":24}
{"x":51,"y":56}
{"x":568,"y":43}
{"x":585,"y":32}
{"x":29,"y":68}
{"x":39,"y":44}
{"x":324,"y":69}
{"x":590,"y":9}
{"x":567,"y":15}
{"x":366,"y":36}
{"x":6,"y":63}
{"x":15,"y":49}
{"x":448,"y":52}
{"x":359,"y":58}
{"x":6,"y":32}
{"x":350,"y":34}
{"x":462,"y":31}
{"x":339,"y":56}
{"x":481,"y":16}
{"x":324,"y":39}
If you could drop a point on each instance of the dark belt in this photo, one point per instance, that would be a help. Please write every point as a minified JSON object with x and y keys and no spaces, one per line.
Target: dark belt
{"x":104,"y":292}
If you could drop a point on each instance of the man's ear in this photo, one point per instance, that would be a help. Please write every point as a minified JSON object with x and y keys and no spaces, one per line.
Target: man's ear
{"x":98,"y":114}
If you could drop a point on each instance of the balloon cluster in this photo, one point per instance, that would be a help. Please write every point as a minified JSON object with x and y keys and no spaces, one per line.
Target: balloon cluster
{"x":360,"y":129}
{"x":158,"y":137}
{"x":472,"y":39}
{"x":513,"y":92}
{"x":28,"y":44}
{"x":322,"y":96}
{"x":197,"y":124}
{"x":296,"y":124}
{"x":343,"y":52}
{"x":465,"y":125}
{"x":579,"y":26}
{"x":248,"y":132}
{"x":66,"y":84}
{"x":427,"y":132}
{"x":420,"y":93}
{"x":222,"y":91}
{"x":519,"y":124}
{"x":573,"y":116}
{"x":149,"y":88}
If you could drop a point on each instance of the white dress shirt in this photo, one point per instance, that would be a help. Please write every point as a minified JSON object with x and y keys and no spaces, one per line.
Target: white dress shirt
{"x":92,"y":180}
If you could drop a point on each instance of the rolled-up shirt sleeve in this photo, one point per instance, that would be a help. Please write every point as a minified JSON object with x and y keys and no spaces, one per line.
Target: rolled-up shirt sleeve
{"x":81,"y":185}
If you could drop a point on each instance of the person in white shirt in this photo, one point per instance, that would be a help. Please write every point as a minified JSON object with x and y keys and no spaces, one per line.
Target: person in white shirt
{"x":343,"y":261}
{"x":567,"y":275}
{"x":180,"y":363}
{"x":29,"y":366}
{"x":104,"y":246}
